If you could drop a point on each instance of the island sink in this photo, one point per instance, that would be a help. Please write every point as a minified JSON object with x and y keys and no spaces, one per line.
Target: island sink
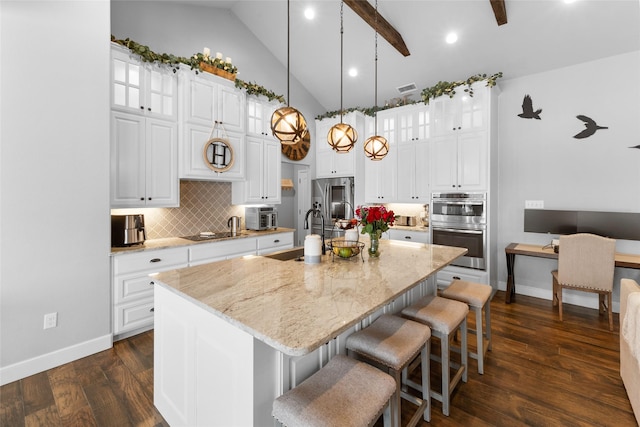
{"x":296,"y":253}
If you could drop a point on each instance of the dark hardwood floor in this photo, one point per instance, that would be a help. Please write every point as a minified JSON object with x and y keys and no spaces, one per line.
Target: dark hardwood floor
{"x":541,"y":372}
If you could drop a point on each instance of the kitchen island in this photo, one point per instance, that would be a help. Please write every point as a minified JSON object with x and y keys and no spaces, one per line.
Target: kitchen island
{"x":233,"y":335}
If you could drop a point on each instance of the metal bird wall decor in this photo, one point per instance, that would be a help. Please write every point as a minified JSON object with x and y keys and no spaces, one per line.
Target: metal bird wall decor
{"x":527,"y":109}
{"x":591,"y":127}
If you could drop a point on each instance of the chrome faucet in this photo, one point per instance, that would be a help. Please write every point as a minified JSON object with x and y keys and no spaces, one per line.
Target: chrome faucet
{"x":315,"y":212}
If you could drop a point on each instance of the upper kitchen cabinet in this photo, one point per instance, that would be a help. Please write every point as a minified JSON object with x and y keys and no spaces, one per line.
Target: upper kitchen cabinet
{"x":207,"y":99}
{"x":263,"y":178}
{"x":259,"y":112}
{"x":459,"y":162}
{"x":464,"y":138}
{"x":381,"y":176}
{"x":144,"y":166}
{"x":413,"y":133}
{"x":329,"y":163}
{"x":143,"y":88}
{"x":462,"y":112}
{"x":211,"y":109}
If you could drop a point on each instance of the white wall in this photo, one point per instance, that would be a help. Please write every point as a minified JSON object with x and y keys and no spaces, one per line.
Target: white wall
{"x":54,"y":183}
{"x":540,"y":159}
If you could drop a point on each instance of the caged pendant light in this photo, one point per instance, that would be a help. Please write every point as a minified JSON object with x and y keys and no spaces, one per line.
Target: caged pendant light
{"x":376,"y":147}
{"x":287,"y":123}
{"x":342,"y":137}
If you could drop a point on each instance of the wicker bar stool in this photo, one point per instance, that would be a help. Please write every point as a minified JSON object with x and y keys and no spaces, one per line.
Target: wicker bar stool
{"x":392,"y":343}
{"x":445,"y":317}
{"x":345,"y":392}
{"x":478,"y":297}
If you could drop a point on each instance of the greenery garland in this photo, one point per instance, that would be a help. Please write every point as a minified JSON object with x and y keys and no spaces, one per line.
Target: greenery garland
{"x":147,"y":55}
{"x":439,"y":89}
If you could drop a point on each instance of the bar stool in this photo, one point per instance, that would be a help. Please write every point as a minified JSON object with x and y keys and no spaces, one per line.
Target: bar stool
{"x":477,"y":296}
{"x":344,"y":392}
{"x":445,"y":317}
{"x":391,"y":343}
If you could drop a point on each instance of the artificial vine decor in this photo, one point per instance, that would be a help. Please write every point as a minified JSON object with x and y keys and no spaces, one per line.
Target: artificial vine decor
{"x":441,"y":88}
{"x":147,"y":55}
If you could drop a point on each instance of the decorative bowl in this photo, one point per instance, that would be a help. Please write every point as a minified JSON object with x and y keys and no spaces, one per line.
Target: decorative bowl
{"x":345,"y":224}
{"x":345,"y":248}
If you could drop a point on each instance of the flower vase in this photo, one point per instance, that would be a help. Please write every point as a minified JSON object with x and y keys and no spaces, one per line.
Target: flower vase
{"x":374,"y":251}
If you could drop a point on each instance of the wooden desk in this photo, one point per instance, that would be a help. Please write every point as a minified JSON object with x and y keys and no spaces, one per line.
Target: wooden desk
{"x":513,"y":249}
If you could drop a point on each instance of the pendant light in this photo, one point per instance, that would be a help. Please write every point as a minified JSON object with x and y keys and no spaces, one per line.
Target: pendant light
{"x":376,"y":147}
{"x":342,"y":137}
{"x":287,"y":123}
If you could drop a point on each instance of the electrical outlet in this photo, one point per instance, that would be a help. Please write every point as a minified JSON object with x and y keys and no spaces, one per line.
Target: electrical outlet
{"x":534,"y":204}
{"x":50,"y":320}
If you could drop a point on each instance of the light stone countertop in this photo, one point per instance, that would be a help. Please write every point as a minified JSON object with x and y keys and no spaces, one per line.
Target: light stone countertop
{"x":296,"y":307}
{"x":172,"y":242}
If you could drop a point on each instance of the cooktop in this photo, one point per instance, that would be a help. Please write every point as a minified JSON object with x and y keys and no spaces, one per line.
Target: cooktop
{"x":211,"y":236}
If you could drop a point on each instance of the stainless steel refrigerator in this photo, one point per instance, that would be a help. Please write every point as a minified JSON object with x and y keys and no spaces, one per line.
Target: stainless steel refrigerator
{"x":334,"y":198}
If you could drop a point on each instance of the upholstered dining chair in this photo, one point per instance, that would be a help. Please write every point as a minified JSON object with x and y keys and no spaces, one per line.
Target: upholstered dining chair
{"x":586,"y":263}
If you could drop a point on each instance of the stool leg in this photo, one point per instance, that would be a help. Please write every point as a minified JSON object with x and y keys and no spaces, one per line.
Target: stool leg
{"x":396,"y":413}
{"x":463,"y":353}
{"x":487,"y":315}
{"x":426,"y":379}
{"x":479,"y":339}
{"x":444,"y":360}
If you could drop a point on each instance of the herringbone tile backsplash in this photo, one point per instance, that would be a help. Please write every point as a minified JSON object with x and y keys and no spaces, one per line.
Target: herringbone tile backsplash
{"x":204,"y":206}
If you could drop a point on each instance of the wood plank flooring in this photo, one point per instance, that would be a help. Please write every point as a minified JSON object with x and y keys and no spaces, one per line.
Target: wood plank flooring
{"x":541,"y":372}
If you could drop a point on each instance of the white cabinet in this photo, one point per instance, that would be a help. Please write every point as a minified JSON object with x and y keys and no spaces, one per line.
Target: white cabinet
{"x":329,"y":163}
{"x":274,"y":242}
{"x":259,"y":112}
{"x":133,"y":287}
{"x":263,"y":174}
{"x":409,"y":235}
{"x":413,"y":122}
{"x":460,"y":149}
{"x":414,"y":172}
{"x":143,"y":88}
{"x":207,"y":99}
{"x":217,"y":251}
{"x":192,"y":161}
{"x":381,"y":176}
{"x":462,"y":112}
{"x":459,"y":162}
{"x":210,"y":107}
{"x":144,"y":166}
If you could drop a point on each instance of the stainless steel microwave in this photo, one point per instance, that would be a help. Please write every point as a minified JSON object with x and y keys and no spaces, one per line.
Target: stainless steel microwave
{"x":261,"y":218}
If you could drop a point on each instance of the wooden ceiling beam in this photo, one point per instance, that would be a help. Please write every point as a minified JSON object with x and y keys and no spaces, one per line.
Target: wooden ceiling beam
{"x":500,"y":11}
{"x":368,"y":13}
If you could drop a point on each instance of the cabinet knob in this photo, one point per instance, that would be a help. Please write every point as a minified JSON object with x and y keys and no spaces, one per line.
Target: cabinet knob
{"x":141,"y":198}
{"x":152,"y":310}
{"x":150,"y":198}
{"x":142,"y":107}
{"x":149,"y":109}
{"x":276,"y":241}
{"x":407,"y":237}
{"x":155,"y":260}
{"x":152,"y":283}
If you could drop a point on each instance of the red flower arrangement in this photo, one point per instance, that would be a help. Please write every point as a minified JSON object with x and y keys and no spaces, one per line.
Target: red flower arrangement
{"x":375,"y":219}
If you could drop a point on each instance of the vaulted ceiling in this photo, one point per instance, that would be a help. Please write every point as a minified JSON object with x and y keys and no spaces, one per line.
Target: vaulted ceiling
{"x":538,"y":36}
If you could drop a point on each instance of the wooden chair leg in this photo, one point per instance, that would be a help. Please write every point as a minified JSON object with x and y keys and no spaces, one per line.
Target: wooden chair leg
{"x":610,"y":309}
{"x":555,"y":291}
{"x":559,"y":294}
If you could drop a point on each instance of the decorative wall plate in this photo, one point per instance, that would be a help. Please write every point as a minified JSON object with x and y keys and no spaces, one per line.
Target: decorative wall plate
{"x":218,"y":154}
{"x":299,"y":150}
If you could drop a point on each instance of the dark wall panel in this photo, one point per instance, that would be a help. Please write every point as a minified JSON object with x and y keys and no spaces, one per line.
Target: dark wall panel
{"x":617,"y":225}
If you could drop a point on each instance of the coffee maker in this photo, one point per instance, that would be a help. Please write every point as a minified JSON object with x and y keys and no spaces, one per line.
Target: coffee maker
{"x":127,"y":230}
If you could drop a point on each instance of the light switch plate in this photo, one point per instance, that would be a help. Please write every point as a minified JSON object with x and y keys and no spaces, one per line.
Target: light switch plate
{"x":534,"y":204}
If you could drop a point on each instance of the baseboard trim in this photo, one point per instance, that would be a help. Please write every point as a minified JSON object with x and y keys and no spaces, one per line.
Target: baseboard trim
{"x":56,"y":358}
{"x":582,"y":299}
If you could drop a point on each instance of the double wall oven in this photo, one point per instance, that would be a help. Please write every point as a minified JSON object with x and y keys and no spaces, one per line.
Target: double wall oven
{"x":459,"y":219}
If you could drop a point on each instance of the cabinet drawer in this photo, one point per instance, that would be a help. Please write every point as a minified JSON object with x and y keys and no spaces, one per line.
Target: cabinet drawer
{"x":151,"y":261}
{"x":131,"y":316}
{"x":216,"y":251}
{"x":129,"y":288}
{"x":274,"y":242}
{"x":446,"y":275}
{"x":409,"y":236}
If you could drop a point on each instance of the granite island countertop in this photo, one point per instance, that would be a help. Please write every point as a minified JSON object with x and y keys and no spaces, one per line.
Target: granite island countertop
{"x":296,"y":307}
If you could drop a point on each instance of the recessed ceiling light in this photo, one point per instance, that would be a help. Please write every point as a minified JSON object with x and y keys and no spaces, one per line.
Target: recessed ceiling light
{"x":309,"y":13}
{"x":452,"y":38}
{"x":353,"y":72}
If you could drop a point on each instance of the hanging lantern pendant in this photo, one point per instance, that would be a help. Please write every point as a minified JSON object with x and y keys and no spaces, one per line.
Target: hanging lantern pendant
{"x":287,"y":123}
{"x":376,"y":147}
{"x":342,"y":137}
